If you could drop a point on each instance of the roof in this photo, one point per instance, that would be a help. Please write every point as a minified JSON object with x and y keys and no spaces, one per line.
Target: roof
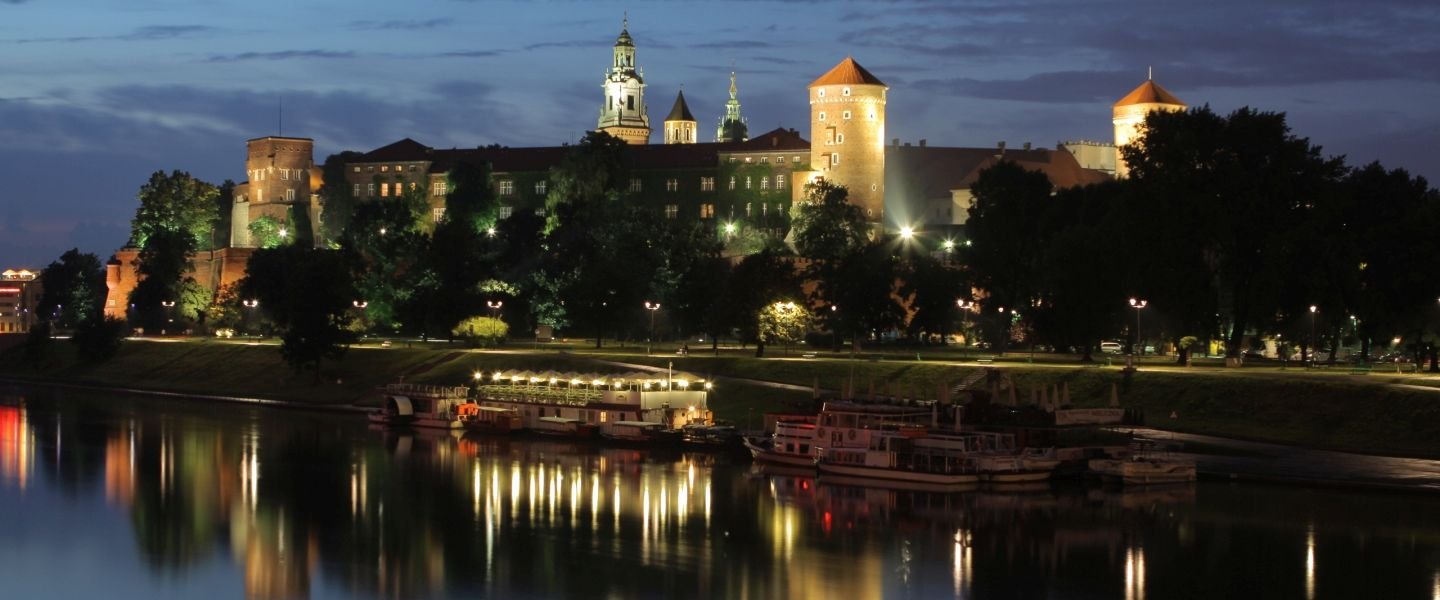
{"x":681,"y":111}
{"x":770,"y":141}
{"x":1149,"y":93}
{"x":925,"y":172}
{"x":847,"y":72}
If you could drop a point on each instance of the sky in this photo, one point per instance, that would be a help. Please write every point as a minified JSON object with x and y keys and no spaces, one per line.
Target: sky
{"x":95,"y":95}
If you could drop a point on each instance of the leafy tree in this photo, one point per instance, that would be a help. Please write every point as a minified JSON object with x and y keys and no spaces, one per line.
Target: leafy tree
{"x":862,"y":286}
{"x":826,"y":225}
{"x":224,"y":204}
{"x":164,"y":262}
{"x":385,"y":252}
{"x":265,"y":232}
{"x":175,"y":203}
{"x":592,"y":171}
{"x":756,"y":282}
{"x":482,"y":330}
{"x":1081,"y":295}
{"x":37,"y":342}
{"x":1005,"y":227}
{"x":73,"y":288}
{"x":784,"y":322}
{"x":336,"y":197}
{"x":308,"y":292}
{"x":932,"y":287}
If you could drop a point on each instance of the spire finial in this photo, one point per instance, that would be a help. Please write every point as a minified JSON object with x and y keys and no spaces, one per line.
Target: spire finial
{"x":733,"y":93}
{"x":1150,"y":73}
{"x":625,"y":22}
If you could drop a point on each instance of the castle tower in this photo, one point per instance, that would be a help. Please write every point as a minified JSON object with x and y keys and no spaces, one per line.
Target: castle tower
{"x":847,"y":133}
{"x":680,"y":125}
{"x":732,"y":126}
{"x":623,"y":115}
{"x":1130,"y":114}
{"x":281,"y":178}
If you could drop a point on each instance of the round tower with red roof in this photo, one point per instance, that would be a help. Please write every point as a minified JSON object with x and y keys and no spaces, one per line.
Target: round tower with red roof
{"x":847,"y":133}
{"x":1130,"y":114}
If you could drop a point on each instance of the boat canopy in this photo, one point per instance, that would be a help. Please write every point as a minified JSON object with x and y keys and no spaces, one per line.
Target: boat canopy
{"x":633,"y":380}
{"x":400,"y":406}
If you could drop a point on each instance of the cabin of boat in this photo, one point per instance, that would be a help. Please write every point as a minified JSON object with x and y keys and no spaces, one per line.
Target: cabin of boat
{"x":895,"y":456}
{"x":418,"y":405}
{"x":551,"y":402}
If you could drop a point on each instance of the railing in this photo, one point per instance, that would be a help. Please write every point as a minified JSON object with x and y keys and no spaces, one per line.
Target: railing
{"x":421,"y":390}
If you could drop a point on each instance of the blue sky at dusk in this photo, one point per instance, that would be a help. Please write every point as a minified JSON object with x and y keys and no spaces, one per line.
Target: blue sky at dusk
{"x":96,"y":95}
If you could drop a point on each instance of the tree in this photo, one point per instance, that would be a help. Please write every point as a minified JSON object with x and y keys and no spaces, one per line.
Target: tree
{"x":385,"y":252}
{"x":932,"y":287}
{"x":590,"y":172}
{"x":336,"y":196}
{"x":164,"y":262}
{"x":98,"y":338}
{"x":224,"y":204}
{"x":265,"y":232}
{"x":825,"y":225}
{"x":862,"y":287}
{"x":1005,"y":227}
{"x":482,"y":331}
{"x":756,"y":282}
{"x":783,"y":322}
{"x":175,"y":203}
{"x":308,"y":293}
{"x":73,"y":289}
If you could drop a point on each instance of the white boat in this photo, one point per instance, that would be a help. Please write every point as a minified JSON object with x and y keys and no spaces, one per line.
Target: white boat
{"x":579,"y":404}
{"x":792,"y":443}
{"x":562,"y":427}
{"x":891,"y":457}
{"x":1144,"y":466}
{"x":1028,"y":466}
{"x":413,"y":405}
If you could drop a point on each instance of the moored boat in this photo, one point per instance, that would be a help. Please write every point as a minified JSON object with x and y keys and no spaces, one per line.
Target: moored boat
{"x":563,"y":427}
{"x":891,"y":457}
{"x":415,"y":405}
{"x":792,"y":443}
{"x":490,"y":419}
{"x":1144,"y":466}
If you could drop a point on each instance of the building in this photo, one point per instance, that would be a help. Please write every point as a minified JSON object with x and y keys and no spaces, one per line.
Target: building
{"x":623,"y":113}
{"x":847,"y":122}
{"x":19,"y":296}
{"x":733,"y":127}
{"x":1130,"y":114}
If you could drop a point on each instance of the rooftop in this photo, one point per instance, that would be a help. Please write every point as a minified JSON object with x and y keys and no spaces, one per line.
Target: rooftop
{"x":848,"y":72}
{"x":1149,"y":93}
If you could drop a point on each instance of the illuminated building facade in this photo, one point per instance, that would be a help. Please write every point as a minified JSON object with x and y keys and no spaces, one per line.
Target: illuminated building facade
{"x":623,"y":113}
{"x":19,"y":295}
{"x":1130,"y":114}
{"x":847,"y":123}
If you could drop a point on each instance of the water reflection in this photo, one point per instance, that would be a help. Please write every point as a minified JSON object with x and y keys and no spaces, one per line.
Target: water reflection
{"x":316,"y":506}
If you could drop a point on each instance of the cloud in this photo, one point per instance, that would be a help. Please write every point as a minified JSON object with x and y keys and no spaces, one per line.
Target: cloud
{"x":401,"y":24}
{"x":471,"y":53}
{"x":736,"y":45}
{"x":282,"y":55}
{"x":139,"y":34}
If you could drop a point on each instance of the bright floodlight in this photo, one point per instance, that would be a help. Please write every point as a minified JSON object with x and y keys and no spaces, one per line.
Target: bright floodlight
{"x":907,"y":232}
{"x":729,"y":228}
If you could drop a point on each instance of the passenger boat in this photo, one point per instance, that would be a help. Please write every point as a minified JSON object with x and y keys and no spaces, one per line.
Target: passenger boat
{"x":638,"y":432}
{"x":563,"y":427}
{"x":893,"y":457}
{"x":580,"y":405}
{"x":1027,"y":466}
{"x":711,"y":436}
{"x":792,"y":443}
{"x":415,"y":405}
{"x":490,"y":419}
{"x":1144,"y":466}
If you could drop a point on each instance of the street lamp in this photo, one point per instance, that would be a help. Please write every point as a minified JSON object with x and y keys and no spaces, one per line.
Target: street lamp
{"x":170,"y":316}
{"x":249,"y":304}
{"x":284,"y":232}
{"x":1137,"y":304}
{"x":907,"y":232}
{"x":652,"y":307}
{"x":1313,"y":309}
{"x":965,"y":307}
{"x":494,"y":307}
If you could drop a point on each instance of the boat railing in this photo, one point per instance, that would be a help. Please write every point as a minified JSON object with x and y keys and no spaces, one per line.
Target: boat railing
{"x":537,"y":395}
{"x":422,"y":390}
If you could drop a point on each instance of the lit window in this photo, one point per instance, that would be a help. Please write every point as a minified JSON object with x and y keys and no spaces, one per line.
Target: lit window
{"x":507,"y":187}
{"x":732,"y":159}
{"x":732,"y":182}
{"x":707,"y":184}
{"x":398,"y":168}
{"x":356,"y":193}
{"x":290,"y":195}
{"x":672,"y":211}
{"x":540,"y":212}
{"x":822,"y":115}
{"x":845,"y":115}
{"x":764,"y":160}
{"x":356,"y":169}
{"x":707,"y":211}
{"x":764,"y":209}
{"x":747,"y":159}
{"x":370,"y":190}
{"x":284,"y":174}
{"x":384,"y":190}
{"x":780,"y":159}
{"x":438,"y":214}
{"x":835,"y":158}
{"x":260,"y":195}
{"x":505,"y":212}
{"x":438,"y":189}
{"x":384,"y":168}
{"x":747,"y":209}
{"x":370,"y":169}
{"x":779,"y":182}
{"x":747,"y":182}
{"x":635,"y":184}
{"x":672,"y":185}
{"x":412,"y":167}
{"x":765,"y":182}
{"x":540,"y":187}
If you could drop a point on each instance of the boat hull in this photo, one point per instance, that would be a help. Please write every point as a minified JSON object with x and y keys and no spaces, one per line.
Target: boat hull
{"x":899,"y":475}
{"x":1143,"y":472}
{"x":415,"y":421}
{"x":765,"y":455}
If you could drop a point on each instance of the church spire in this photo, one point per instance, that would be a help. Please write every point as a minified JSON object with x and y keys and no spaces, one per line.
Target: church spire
{"x":623,"y":114}
{"x":732,"y":125}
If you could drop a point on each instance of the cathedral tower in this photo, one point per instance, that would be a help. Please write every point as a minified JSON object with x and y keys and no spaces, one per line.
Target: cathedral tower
{"x":623,"y":114}
{"x":680,"y":125}
{"x":847,"y":133}
{"x":1130,"y":114}
{"x":732,"y":125}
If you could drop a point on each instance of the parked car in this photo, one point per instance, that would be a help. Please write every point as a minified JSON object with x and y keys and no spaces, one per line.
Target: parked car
{"x":1111,"y":347}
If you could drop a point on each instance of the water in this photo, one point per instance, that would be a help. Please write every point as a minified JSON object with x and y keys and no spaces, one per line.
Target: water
{"x":124,"y":498}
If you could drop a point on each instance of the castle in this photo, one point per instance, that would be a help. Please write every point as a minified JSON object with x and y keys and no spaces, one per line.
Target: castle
{"x":735,"y":181}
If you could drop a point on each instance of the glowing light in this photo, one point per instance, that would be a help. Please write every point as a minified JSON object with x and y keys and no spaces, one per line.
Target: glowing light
{"x":907,"y":232}
{"x":1310,"y":563}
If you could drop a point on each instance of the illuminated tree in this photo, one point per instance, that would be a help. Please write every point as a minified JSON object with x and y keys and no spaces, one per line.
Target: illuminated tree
{"x":176,"y":203}
{"x":482,"y":331}
{"x":785,"y":322}
{"x":826,"y":225}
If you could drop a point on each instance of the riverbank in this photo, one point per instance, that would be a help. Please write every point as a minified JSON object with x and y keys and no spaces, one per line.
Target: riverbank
{"x":1366,"y":414}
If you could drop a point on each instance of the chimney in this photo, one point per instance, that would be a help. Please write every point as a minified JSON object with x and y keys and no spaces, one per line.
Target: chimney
{"x":894,"y":141}
{"x":1002,"y":146}
{"x":907,"y":144}
{"x":922,"y":143}
{"x":1027,"y":145}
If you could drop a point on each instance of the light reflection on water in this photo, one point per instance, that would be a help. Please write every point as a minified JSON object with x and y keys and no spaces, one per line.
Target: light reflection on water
{"x":313,"y":506}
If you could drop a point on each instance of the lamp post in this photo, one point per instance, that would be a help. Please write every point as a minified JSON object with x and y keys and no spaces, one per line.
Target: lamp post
{"x":1138,"y":304}
{"x":494,"y":306}
{"x":360,"y":308}
{"x":1313,"y":309}
{"x":652,"y":307}
{"x":249,"y":309}
{"x":169,"y":315}
{"x":965,"y":307}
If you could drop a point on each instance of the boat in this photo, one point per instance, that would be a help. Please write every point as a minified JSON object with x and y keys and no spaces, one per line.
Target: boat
{"x":490,"y":419}
{"x":1027,"y":466}
{"x":417,"y":405}
{"x":711,"y":436}
{"x":563,"y":427}
{"x":643,"y":432}
{"x":893,"y":458}
{"x":792,"y":444}
{"x":1144,"y":466}
{"x":583,"y":404}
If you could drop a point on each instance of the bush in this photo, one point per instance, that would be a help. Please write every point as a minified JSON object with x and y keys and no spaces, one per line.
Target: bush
{"x":99,"y":339}
{"x":482,"y":331}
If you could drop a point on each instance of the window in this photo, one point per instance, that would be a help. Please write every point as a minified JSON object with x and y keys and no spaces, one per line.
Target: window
{"x":370,"y":169}
{"x":764,"y":209}
{"x":438,"y":188}
{"x":384,"y":190}
{"x":437,"y":214}
{"x":284,"y":174}
{"x":635,"y":184}
{"x":747,"y":209}
{"x":779,"y":182}
{"x":505,"y":211}
{"x":834,"y":158}
{"x":370,"y":190}
{"x":732,"y":159}
{"x":732,"y":182}
{"x":260,"y":195}
{"x":399,"y":168}
{"x":356,"y":193}
{"x":707,"y":211}
{"x":872,"y":116}
{"x":780,"y":159}
{"x":672,"y":185}
{"x":507,"y":187}
{"x":672,"y":211}
{"x":845,"y":115}
{"x":839,"y":138}
{"x":707,"y":184}
{"x":356,"y":169}
{"x":822,"y":115}
{"x":290,"y":195}
{"x":820,"y":92}
{"x":384,"y":168}
{"x":630,"y":102}
{"x":747,"y":159}
{"x":765,"y":182}
{"x":412,"y":186}
{"x":540,"y":187}
{"x":764,"y":160}
{"x":747,"y":182}
{"x":845,"y":91}
{"x":540,"y":212}
{"x":412,"y":167}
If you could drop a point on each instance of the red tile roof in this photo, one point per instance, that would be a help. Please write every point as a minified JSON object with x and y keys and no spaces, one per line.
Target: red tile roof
{"x":1149,"y":93}
{"x":848,"y":72}
{"x":926,"y":172}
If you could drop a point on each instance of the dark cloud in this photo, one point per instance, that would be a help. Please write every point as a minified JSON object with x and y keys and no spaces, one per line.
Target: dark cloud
{"x":401,"y":24}
{"x":282,"y":55}
{"x":140,"y":34}
{"x":472,"y":53}
{"x":737,"y":45}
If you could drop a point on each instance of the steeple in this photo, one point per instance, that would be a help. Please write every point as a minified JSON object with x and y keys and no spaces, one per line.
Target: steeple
{"x":732,"y":125}
{"x":623,"y":114}
{"x":680,"y":124}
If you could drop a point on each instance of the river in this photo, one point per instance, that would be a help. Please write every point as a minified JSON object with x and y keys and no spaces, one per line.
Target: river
{"x":119,"y":497}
